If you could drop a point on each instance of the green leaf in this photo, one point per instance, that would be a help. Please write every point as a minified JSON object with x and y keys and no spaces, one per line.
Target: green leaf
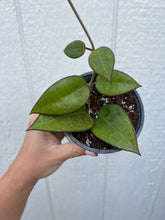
{"x":77,"y":121}
{"x":102,"y":62}
{"x":75,"y":49}
{"x":120,"y":83}
{"x":114,"y":127}
{"x":65,"y":96}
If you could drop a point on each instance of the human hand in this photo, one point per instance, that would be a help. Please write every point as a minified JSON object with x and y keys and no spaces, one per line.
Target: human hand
{"x":42,"y":153}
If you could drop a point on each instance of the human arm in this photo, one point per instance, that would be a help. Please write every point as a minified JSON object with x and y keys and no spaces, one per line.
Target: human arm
{"x":41,"y":154}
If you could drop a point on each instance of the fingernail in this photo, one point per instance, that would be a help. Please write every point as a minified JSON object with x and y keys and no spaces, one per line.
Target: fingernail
{"x":89,"y":153}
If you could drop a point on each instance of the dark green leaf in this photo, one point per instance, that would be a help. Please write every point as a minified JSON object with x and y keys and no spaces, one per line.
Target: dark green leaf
{"x":114,"y":127}
{"x":75,"y":49}
{"x":65,"y":96}
{"x":102,"y":62}
{"x":120,"y":83}
{"x":77,"y":121}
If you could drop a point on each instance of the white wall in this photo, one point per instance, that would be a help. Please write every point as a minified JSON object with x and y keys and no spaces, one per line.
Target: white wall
{"x":33,"y":34}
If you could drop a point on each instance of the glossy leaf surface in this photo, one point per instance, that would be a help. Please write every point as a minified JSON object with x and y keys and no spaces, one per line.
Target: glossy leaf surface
{"x":102,"y":61}
{"x":114,"y":127}
{"x":65,"y":96}
{"x":75,"y":49}
{"x":77,"y":121}
{"x":120,"y":83}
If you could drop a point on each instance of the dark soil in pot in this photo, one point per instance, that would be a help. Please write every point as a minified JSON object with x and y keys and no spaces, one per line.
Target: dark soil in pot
{"x":126,"y":101}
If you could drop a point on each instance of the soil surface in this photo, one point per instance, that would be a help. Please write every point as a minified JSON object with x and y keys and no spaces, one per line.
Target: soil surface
{"x":126,"y":101}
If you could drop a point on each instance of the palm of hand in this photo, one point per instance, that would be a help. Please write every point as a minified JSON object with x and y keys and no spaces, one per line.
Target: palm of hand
{"x":42,"y":152}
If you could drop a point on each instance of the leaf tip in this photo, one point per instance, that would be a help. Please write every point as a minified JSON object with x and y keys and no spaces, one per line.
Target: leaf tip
{"x":65,"y":51}
{"x":136,"y":150}
{"x":31,"y":112}
{"x":138,"y":153}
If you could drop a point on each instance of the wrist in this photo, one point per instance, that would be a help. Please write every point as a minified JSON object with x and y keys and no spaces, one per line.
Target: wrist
{"x":18,"y":179}
{"x":15,"y":188}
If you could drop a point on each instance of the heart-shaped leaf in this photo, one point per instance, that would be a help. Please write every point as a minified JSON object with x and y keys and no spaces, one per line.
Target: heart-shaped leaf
{"x":120,"y":83}
{"x":114,"y":127}
{"x":77,"y":121}
{"x":75,"y":49}
{"x":102,"y":61}
{"x":65,"y":96}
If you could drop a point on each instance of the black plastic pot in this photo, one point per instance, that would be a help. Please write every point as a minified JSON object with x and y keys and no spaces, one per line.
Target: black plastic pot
{"x":87,"y":77}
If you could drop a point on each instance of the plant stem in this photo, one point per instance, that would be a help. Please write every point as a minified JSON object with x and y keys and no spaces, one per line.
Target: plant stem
{"x":92,"y":79}
{"x":83,"y":26}
{"x":93,"y":47}
{"x":87,"y":48}
{"x":90,"y":87}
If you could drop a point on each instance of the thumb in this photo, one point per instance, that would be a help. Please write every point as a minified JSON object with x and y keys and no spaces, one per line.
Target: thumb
{"x":70,"y":150}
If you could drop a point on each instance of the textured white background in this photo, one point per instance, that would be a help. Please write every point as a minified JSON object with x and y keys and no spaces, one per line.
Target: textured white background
{"x":33,"y":34}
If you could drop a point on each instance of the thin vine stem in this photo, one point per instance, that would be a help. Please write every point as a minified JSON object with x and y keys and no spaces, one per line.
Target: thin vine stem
{"x":91,"y":42}
{"x":83,"y":26}
{"x":92,"y":79}
{"x":87,"y":48}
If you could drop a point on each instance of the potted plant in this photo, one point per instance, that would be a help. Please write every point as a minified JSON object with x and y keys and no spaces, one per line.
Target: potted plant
{"x":92,"y":108}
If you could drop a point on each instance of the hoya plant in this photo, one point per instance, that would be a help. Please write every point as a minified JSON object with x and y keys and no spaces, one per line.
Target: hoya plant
{"x":65,"y":106}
